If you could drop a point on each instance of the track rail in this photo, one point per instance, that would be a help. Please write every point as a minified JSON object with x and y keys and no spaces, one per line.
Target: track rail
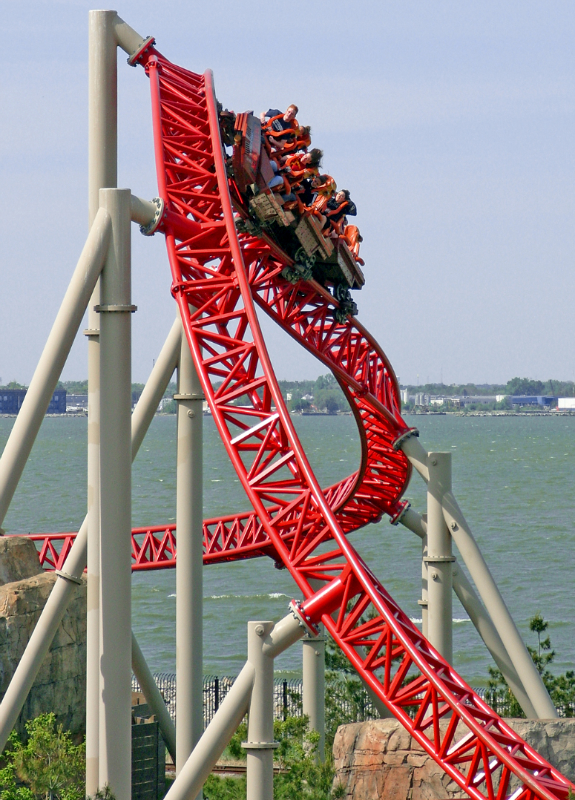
{"x":217,"y":278}
{"x":217,"y":274}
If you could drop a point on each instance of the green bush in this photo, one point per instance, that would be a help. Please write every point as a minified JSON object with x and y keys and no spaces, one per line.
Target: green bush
{"x":48,"y":766}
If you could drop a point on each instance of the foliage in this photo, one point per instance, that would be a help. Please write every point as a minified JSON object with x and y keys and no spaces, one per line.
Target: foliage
{"x":561,"y":688}
{"x":48,"y":766}
{"x":301,"y":775}
{"x":103,"y":794}
{"x":13,"y":385}
{"x":344,"y":690}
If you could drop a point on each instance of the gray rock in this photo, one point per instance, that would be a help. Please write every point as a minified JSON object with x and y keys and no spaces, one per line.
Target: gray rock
{"x":378,"y":760}
{"x":60,"y":685}
{"x":18,"y":559}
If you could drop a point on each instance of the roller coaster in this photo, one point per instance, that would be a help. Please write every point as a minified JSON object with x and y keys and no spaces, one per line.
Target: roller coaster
{"x":225,"y":263}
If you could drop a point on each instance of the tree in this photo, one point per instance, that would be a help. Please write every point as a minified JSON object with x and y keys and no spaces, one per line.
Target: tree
{"x":49,"y":766}
{"x":561,"y":688}
{"x":524,"y":386}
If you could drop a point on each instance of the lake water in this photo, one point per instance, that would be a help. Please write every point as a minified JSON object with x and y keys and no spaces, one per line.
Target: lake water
{"x":513,"y":478}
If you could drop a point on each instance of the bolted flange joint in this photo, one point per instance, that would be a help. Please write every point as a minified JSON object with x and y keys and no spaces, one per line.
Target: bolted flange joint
{"x":304,"y":620}
{"x":403,"y":437}
{"x":152,"y":227}
{"x":400,"y":509}
{"x":137,"y":55}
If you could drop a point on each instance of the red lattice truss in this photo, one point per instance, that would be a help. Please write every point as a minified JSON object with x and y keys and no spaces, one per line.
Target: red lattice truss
{"x":217,"y":277}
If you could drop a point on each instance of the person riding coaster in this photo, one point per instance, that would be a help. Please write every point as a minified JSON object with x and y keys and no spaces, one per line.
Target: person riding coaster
{"x":279,"y":129}
{"x":283,"y":196}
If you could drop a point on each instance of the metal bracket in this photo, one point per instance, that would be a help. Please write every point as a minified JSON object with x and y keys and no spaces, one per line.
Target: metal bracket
{"x":403,"y":506}
{"x":188,"y":397}
{"x":260,"y":745}
{"x":91,"y":332}
{"x":72,"y":578}
{"x":423,"y":603}
{"x":137,"y":54}
{"x":438,"y":559}
{"x":115,"y":309}
{"x":152,"y":227}
{"x":403,"y":437}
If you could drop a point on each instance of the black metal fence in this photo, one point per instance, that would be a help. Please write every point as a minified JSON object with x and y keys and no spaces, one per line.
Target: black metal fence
{"x":288,"y":698}
{"x":287,"y":694}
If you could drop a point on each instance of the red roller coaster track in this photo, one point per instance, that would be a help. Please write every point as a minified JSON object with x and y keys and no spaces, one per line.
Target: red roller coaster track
{"x":218,"y":276}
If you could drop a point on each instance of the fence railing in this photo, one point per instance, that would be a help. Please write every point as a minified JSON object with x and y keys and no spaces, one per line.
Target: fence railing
{"x":288,"y":698}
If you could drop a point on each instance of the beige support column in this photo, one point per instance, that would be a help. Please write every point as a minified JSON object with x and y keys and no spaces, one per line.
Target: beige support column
{"x":51,"y":616}
{"x":102,"y":173}
{"x":313,"y":651}
{"x":479,"y":616}
{"x":439,"y":557}
{"x":260,"y":745}
{"x":424,"y":602}
{"x":189,"y":588}
{"x":115,"y":502}
{"x":231,"y":712}
{"x":498,"y":611}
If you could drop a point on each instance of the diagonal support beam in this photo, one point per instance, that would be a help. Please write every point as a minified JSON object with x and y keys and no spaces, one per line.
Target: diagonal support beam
{"x":52,"y":360}
{"x":489,"y":592}
{"x":480,"y":618}
{"x":75,"y":564}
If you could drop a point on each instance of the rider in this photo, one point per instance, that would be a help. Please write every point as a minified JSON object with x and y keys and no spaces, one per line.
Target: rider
{"x":339,"y":207}
{"x":280,"y":127}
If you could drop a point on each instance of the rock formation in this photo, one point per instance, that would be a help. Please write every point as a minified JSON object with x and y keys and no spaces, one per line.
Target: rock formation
{"x":61,"y":683}
{"x":378,"y":760}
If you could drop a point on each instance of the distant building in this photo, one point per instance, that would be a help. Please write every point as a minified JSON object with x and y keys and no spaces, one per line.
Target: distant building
{"x":11,"y":401}
{"x":566,"y":403}
{"x":58,"y":402}
{"x":533,"y":400}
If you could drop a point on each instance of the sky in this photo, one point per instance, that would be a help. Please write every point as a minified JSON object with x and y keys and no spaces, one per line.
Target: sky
{"x":450,"y":122}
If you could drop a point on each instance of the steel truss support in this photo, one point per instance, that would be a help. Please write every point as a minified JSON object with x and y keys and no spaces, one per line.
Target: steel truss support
{"x":61,"y":594}
{"x":254,"y":677}
{"x":189,"y":588}
{"x":527,"y":674}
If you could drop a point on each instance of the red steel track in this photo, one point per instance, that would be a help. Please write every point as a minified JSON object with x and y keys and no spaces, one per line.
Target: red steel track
{"x":218,"y":276}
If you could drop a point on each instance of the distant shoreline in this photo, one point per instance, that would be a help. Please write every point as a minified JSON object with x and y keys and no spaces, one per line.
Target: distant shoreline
{"x":538,"y":414}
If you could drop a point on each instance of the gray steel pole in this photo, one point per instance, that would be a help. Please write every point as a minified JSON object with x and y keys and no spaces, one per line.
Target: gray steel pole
{"x":439,"y":557}
{"x":52,"y":360}
{"x":313,"y":652}
{"x":480,"y":618}
{"x":189,"y":567}
{"x":260,"y":745}
{"x":115,"y":501}
{"x":153,"y":697}
{"x":102,"y":173}
{"x":498,"y":611}
{"x":57,"y":602}
{"x":220,"y":730}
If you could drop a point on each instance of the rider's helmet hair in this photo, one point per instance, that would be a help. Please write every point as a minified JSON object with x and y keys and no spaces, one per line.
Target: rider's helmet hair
{"x":316,"y":156}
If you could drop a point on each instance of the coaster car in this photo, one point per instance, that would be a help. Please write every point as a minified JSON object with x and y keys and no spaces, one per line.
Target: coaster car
{"x":261,"y":212}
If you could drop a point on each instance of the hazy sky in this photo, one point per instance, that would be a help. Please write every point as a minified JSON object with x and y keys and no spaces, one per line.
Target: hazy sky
{"x":452,"y":123}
